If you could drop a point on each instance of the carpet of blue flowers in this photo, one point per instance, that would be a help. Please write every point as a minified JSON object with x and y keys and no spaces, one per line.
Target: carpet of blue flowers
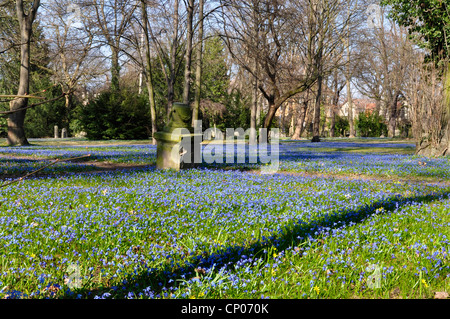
{"x":225,"y":231}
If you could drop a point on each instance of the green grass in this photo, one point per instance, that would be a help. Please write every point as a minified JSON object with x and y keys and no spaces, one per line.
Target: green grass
{"x":226,"y":233}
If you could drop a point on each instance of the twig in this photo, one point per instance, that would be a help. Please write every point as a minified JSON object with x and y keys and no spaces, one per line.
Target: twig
{"x":23,"y":97}
{"x":36,"y":104}
{"x":40,"y":169}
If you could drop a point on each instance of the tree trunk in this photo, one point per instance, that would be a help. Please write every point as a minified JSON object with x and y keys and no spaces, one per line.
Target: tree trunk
{"x":377,"y":106}
{"x":170,"y":95}
{"x":299,"y":128}
{"x":272,"y":109}
{"x":333,"y":123}
{"x":115,"y":69}
{"x":253,"y":108}
{"x":198,"y":71}
{"x":393,"y":115}
{"x":68,"y":105}
{"x":270,"y":114}
{"x":148,"y":72}
{"x":428,"y":148}
{"x":334,"y":105}
{"x":258,"y":111}
{"x":431,"y":117}
{"x":188,"y":53}
{"x":173,"y":61}
{"x":16,"y":120}
{"x":316,"y":122}
{"x":349,"y":91}
{"x":324,"y":124}
{"x":16,"y":132}
{"x":254,"y":105}
{"x":283,"y":119}
{"x":350,"y":110}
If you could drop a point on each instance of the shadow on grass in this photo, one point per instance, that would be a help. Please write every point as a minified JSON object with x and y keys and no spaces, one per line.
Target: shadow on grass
{"x":155,"y":281}
{"x":15,"y":168}
{"x":19,"y":167}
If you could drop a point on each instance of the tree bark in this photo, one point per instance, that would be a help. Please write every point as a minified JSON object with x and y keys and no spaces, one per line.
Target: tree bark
{"x":253,"y":108}
{"x":350,"y":109}
{"x":393,"y":115}
{"x":349,"y":91}
{"x":283,"y":118}
{"x":148,"y":72}
{"x":334,"y":105}
{"x":16,"y":120}
{"x":332,"y":123}
{"x":299,"y":128}
{"x":258,"y":111}
{"x":188,"y":53}
{"x":198,"y":70}
{"x":316,"y":123}
{"x":115,"y":69}
{"x":272,"y":109}
{"x":254,"y":105}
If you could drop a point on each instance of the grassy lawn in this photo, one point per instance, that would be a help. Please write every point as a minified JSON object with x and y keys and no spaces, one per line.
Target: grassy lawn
{"x":340,"y":219}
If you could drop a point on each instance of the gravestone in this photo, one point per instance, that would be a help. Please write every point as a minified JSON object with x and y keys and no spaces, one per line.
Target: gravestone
{"x":55,"y":129}
{"x":177,"y":145}
{"x":64,"y":133}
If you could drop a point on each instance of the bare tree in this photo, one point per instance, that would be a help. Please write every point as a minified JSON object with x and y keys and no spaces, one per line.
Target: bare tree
{"x":165,"y":34}
{"x":424,"y":91}
{"x":148,"y":69}
{"x":305,"y":100}
{"x":338,"y":83}
{"x":74,"y":57}
{"x":293,"y":47}
{"x":269,"y":48}
{"x":26,"y":15}
{"x":113,"y":18}
{"x":385,"y":53}
{"x":198,"y":69}
{"x":188,"y":51}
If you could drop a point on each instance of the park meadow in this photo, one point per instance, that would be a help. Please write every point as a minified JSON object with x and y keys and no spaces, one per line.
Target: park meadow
{"x":340,"y":219}
{"x":224,"y":150}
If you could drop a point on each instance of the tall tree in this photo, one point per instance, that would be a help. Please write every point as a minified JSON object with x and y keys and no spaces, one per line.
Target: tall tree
{"x":293,"y":46}
{"x":337,"y":85}
{"x":269,"y":48}
{"x":113,"y":18}
{"x":166,"y":36}
{"x":73,"y":53}
{"x":188,"y":51}
{"x":198,"y":68}
{"x":26,"y":15}
{"x":148,"y":68}
{"x":428,"y":23}
{"x":319,"y":18}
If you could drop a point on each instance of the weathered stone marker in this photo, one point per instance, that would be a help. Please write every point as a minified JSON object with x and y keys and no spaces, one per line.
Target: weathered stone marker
{"x":55,"y":130}
{"x":64,"y":133}
{"x":178,"y":147}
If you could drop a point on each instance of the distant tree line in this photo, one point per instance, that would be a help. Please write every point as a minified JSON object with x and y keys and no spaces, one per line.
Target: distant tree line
{"x":113,"y":69}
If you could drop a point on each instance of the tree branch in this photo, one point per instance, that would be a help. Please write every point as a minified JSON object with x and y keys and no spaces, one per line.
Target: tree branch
{"x":36,"y":104}
{"x":40,"y":169}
